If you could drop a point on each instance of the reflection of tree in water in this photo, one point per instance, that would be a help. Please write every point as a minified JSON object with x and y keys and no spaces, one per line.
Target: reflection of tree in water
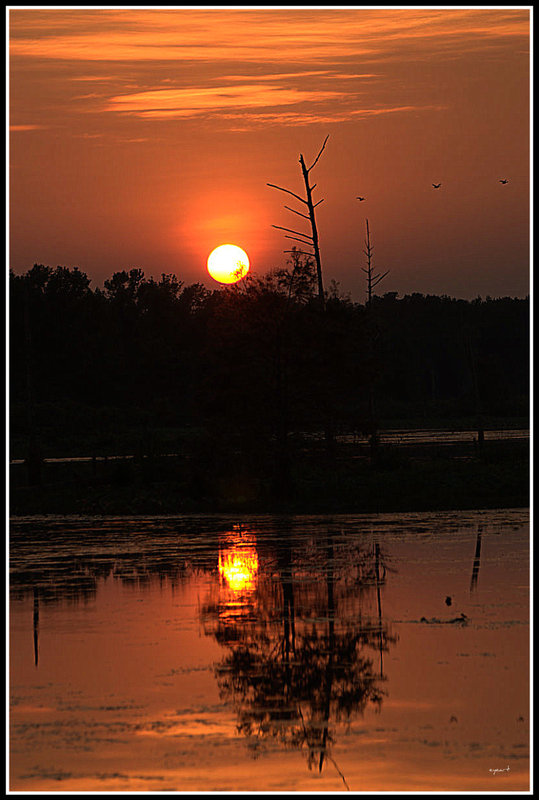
{"x":58,"y":565}
{"x":75,"y":579}
{"x":301,"y":644}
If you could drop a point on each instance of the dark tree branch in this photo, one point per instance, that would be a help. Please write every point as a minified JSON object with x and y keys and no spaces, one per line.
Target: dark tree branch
{"x":339,"y":771}
{"x":290,"y":230}
{"x":377,"y":281}
{"x":319,"y":154}
{"x":289,"y":192}
{"x":295,"y":238}
{"x":305,"y":216}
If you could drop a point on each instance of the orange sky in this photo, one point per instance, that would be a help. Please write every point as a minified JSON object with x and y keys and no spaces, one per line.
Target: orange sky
{"x":145,"y":138}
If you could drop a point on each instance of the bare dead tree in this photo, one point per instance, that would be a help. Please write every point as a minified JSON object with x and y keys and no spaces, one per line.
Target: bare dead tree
{"x":307,"y":239}
{"x":372,"y":278}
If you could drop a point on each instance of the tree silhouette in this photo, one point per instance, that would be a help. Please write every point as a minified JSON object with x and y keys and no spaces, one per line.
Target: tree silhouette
{"x":241,"y":381}
{"x":373,"y":279}
{"x":307,"y":239}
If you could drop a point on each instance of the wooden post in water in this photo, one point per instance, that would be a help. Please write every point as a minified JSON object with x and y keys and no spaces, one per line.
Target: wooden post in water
{"x":377,"y":567}
{"x":36,"y":626}
{"x":477,"y":559}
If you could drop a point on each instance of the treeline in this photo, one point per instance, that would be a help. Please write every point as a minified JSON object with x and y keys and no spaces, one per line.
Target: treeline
{"x":257,"y":361}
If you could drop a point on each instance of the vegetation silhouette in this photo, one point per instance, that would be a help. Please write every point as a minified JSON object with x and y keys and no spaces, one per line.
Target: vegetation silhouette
{"x":237,"y":382}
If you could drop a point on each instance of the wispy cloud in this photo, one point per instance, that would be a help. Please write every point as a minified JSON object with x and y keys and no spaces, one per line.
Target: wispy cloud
{"x":194,"y":101}
{"x":257,"y":36}
{"x":92,"y":78}
{"x":301,"y":117}
{"x":254,"y":104}
{"x":15,"y":128}
{"x":291,"y":66}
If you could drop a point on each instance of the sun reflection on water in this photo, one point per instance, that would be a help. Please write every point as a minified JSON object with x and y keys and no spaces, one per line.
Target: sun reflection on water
{"x":238,"y":564}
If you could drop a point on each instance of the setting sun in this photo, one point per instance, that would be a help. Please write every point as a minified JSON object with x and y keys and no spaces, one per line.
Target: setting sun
{"x":228,"y":263}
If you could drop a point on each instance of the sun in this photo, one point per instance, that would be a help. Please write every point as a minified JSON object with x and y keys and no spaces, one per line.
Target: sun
{"x":228,"y":263}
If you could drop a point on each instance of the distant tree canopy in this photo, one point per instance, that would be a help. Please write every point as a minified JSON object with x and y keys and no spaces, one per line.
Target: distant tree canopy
{"x":259,"y":356}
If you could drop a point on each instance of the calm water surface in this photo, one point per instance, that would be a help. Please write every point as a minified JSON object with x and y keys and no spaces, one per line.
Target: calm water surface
{"x":303,"y":654}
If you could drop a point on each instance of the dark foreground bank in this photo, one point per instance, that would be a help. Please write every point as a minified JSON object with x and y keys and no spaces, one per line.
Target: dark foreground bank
{"x":420,"y":478}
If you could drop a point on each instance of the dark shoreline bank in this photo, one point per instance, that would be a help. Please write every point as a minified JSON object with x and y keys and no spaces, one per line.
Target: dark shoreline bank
{"x":403,"y":479}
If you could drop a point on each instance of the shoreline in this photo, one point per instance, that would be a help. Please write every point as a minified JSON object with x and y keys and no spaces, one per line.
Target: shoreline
{"x":401,"y":481}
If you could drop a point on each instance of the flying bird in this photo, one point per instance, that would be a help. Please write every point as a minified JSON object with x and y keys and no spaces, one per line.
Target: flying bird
{"x":360,"y":199}
{"x":436,"y":185}
{"x":504,"y":180}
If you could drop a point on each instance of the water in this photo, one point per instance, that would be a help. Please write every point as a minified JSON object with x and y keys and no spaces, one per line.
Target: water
{"x":303,"y":654}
